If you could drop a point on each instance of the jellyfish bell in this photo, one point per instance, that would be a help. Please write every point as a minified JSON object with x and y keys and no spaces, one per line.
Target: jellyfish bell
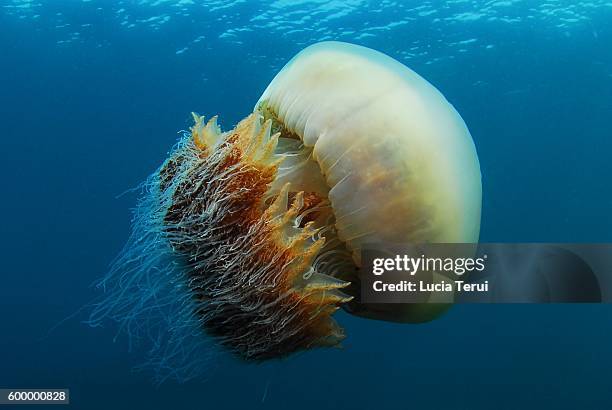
{"x":397,"y":160}
{"x":253,"y":235}
{"x":394,"y":153}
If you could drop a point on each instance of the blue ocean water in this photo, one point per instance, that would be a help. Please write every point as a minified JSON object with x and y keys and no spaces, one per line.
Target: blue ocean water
{"x":93,"y":93}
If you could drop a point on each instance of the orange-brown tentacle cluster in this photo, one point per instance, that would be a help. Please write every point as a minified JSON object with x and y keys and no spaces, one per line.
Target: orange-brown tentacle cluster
{"x":249,"y":263}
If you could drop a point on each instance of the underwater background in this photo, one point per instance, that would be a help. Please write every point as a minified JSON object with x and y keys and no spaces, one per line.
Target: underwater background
{"x":93,"y":93}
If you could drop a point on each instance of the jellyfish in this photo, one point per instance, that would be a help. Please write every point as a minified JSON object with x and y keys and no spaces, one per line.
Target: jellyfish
{"x":251,"y":238}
